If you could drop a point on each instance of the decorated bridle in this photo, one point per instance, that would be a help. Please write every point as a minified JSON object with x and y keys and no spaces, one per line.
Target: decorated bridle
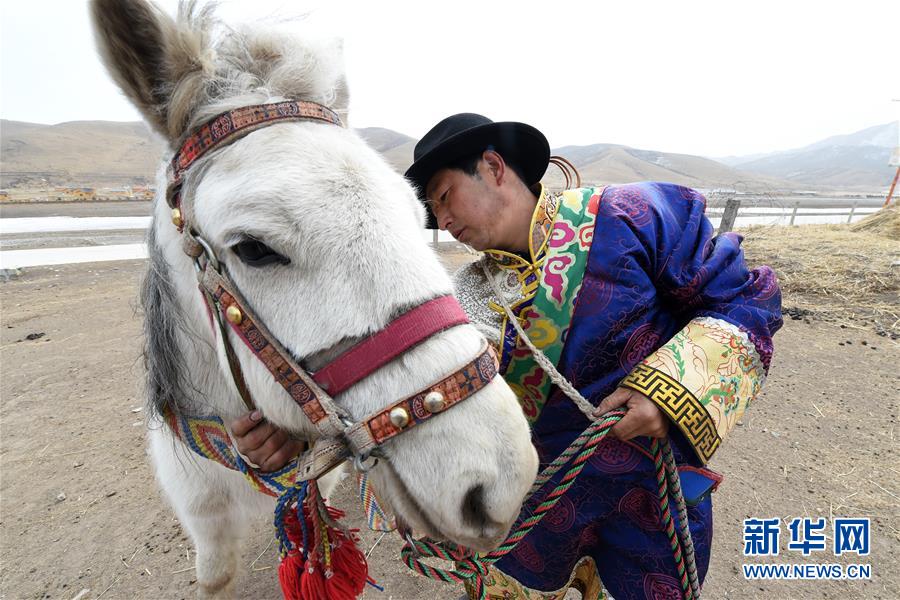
{"x":340,"y":437}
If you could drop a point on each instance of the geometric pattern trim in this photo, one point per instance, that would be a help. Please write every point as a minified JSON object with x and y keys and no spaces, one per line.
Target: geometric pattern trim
{"x":234,"y":124}
{"x":272,"y":358}
{"x":208,"y":437}
{"x":455,"y":388}
{"x":720,"y":366}
{"x":680,"y":405}
{"x":376,"y":518}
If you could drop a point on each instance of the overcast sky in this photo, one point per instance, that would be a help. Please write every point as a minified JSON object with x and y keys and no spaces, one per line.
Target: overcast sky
{"x":702,"y":77}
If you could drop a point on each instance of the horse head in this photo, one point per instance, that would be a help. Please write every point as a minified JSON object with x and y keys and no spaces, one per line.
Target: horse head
{"x":324,"y":241}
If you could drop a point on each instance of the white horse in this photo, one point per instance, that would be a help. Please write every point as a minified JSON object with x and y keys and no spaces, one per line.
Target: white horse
{"x":324,"y":241}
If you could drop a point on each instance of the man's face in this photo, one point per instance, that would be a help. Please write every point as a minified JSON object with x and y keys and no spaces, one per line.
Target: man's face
{"x":468,"y":206}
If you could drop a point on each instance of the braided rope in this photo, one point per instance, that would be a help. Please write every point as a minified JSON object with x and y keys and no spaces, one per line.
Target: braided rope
{"x":556,"y":377}
{"x":472,"y":569}
{"x":561,"y":460}
{"x":684,"y":531}
{"x":285,"y":501}
{"x":667,"y":521}
{"x":595,"y":434}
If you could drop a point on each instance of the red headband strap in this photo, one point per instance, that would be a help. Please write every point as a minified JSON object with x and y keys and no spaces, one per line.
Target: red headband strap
{"x":400,"y":335}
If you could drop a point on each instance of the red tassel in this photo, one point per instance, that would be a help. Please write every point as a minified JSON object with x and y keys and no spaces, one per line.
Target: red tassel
{"x":303,"y":579}
{"x":292,"y":528}
{"x":293,"y":572}
{"x":308,"y":579}
{"x":350,"y":571}
{"x":290,"y":572}
{"x":312,"y":584}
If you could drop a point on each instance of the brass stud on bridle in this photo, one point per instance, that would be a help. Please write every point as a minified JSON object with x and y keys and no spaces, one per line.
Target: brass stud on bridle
{"x":399,"y":417}
{"x":434,"y":402}
{"x":234,"y":315}
{"x":177,"y":219}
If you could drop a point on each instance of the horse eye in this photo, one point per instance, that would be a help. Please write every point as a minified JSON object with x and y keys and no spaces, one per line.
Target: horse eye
{"x":254,"y":253}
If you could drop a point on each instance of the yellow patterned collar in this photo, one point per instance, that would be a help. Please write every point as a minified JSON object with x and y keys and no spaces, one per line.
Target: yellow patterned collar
{"x":541,"y":223}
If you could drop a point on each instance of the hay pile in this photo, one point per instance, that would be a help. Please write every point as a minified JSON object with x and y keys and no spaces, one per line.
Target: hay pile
{"x":838,"y":273}
{"x":885,"y":222}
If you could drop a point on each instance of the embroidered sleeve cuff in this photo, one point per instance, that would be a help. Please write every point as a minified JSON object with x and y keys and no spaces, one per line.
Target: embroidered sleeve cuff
{"x":703,"y":379}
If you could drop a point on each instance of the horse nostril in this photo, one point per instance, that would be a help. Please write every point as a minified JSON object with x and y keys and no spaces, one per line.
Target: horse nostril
{"x":473,"y":509}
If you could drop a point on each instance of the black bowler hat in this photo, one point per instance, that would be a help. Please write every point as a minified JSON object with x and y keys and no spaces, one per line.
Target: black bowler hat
{"x":467,"y":134}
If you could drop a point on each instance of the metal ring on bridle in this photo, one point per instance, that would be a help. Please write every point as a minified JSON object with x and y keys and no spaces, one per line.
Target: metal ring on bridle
{"x":359,"y":462}
{"x":412,"y":544}
{"x":208,"y":252}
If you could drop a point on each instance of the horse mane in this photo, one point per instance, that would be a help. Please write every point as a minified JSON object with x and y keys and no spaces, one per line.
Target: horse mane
{"x":212,"y":68}
{"x":163,"y":355}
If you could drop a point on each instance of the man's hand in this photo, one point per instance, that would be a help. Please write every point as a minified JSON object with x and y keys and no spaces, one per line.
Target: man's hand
{"x":264,"y":444}
{"x":642,"y":417}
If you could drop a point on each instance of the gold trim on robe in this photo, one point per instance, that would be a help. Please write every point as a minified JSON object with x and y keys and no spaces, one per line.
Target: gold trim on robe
{"x":703,"y":379}
{"x":584,"y":578}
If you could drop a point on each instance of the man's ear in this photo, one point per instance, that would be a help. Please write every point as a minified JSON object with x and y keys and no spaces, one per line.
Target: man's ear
{"x":496,"y":166}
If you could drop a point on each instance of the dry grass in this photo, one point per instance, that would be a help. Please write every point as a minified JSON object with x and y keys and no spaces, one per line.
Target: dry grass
{"x":886,"y":222}
{"x":838,"y":272}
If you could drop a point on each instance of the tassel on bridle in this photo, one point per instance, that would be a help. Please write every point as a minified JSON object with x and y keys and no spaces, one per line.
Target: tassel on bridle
{"x":319,"y":558}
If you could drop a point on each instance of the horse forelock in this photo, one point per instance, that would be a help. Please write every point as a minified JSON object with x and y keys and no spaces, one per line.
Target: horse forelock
{"x":216,"y":68}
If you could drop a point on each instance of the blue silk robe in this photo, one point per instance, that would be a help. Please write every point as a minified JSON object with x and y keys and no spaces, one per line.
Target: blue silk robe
{"x":667,"y":308}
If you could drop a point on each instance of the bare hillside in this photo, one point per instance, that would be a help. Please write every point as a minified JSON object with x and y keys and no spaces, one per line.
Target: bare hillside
{"x":856,"y":160}
{"x":78,"y":152}
{"x":101,"y":153}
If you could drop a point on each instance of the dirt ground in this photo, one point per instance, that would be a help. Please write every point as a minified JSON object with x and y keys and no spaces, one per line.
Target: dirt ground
{"x":81,"y":516}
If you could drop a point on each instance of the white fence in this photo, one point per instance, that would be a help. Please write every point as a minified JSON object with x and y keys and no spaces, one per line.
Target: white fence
{"x":736,"y":214}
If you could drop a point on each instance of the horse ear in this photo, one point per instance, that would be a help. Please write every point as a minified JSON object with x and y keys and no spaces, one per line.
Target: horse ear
{"x":130,"y":36}
{"x":148,"y":57}
{"x":341,"y":102}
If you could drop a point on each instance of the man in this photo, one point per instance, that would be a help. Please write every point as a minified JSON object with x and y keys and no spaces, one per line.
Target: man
{"x":627,"y":291}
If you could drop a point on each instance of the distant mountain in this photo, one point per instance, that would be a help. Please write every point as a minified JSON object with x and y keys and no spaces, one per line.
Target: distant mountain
{"x":396,"y":147}
{"x":104,"y":153}
{"x":612,"y":163}
{"x":401,"y":156}
{"x":855,"y":160}
{"x":100,"y":153}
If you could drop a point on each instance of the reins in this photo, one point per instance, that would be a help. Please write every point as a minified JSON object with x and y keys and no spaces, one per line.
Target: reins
{"x":471,"y":569}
